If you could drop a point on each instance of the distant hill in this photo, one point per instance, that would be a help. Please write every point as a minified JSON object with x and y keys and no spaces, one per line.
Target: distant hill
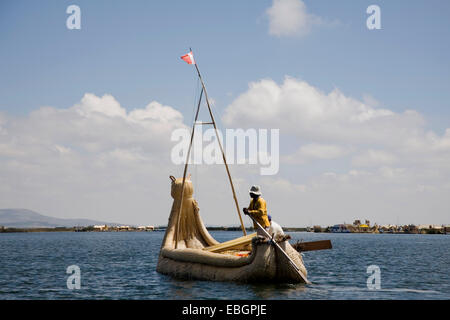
{"x":23,"y":218}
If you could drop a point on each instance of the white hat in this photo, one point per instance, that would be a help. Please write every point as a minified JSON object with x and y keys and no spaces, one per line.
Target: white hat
{"x":255,"y":190}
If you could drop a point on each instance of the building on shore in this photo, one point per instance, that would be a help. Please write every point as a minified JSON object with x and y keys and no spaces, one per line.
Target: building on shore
{"x":339,"y":228}
{"x":146,"y":228}
{"x":364,"y":228}
{"x":410,"y":229}
{"x":317,"y":229}
{"x":431,"y":229}
{"x":358,"y":226}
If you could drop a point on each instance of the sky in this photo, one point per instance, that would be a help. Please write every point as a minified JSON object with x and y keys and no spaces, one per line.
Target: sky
{"x":86,"y":115}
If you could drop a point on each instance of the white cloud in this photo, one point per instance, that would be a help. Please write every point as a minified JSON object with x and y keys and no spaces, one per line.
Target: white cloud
{"x":389,"y":172}
{"x":370,"y":101}
{"x":93,"y":160}
{"x":398,"y":153}
{"x":374,"y":158}
{"x":440,"y":143}
{"x":2,"y":123}
{"x":304,"y":111}
{"x":382,"y":196}
{"x":315,"y":151}
{"x":290,"y":17}
{"x":156,"y":112}
{"x":106,"y":105}
{"x":62,"y":150}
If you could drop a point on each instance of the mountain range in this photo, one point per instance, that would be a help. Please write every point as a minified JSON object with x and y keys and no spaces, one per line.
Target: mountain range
{"x":23,"y":218}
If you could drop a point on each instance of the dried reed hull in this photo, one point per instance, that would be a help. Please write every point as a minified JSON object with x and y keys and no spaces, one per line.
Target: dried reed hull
{"x":182,"y":256}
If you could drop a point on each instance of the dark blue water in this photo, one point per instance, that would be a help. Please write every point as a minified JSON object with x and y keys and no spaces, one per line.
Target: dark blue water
{"x":121,"y":265}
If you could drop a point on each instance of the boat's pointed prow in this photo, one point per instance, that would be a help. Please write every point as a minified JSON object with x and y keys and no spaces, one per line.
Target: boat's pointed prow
{"x":187,"y":230}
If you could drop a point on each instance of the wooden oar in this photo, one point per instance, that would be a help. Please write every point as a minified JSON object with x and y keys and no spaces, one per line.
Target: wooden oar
{"x":281,"y":250}
{"x":312,"y":245}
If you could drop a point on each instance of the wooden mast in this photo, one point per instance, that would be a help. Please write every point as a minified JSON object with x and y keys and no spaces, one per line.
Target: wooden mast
{"x":213,"y":122}
{"x":185,"y":171}
{"x":223,"y":153}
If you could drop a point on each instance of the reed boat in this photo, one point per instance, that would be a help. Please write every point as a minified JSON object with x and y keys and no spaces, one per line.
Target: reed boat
{"x":194,"y":254}
{"x":188,"y":251}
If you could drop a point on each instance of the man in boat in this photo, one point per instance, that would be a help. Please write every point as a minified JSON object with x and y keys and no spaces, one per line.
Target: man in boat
{"x":258,"y":210}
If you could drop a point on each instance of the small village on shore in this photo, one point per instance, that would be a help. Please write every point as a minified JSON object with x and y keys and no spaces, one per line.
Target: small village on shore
{"x":358,"y":227}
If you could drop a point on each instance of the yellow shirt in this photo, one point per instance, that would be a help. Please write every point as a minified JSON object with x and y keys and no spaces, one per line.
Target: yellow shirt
{"x":258,"y":211}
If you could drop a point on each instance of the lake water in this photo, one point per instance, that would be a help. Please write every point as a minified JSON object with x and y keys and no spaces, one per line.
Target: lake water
{"x":121,"y":265}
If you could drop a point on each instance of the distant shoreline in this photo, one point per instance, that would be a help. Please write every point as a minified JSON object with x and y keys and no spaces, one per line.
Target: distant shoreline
{"x":130,"y":229}
{"x":163,"y":228}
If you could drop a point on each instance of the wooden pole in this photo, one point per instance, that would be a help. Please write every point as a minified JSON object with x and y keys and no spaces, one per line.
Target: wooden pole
{"x":185,"y":171}
{"x":223,"y":153}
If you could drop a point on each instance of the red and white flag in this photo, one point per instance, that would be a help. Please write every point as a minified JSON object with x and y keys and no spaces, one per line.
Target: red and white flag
{"x":189,"y":58}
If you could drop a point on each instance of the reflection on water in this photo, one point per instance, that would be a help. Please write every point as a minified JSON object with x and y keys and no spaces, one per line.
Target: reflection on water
{"x":180,"y":289}
{"x":276,"y":291}
{"x":122,"y":265}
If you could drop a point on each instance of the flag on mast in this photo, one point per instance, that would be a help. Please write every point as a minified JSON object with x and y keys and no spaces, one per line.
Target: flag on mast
{"x":189,"y":58}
